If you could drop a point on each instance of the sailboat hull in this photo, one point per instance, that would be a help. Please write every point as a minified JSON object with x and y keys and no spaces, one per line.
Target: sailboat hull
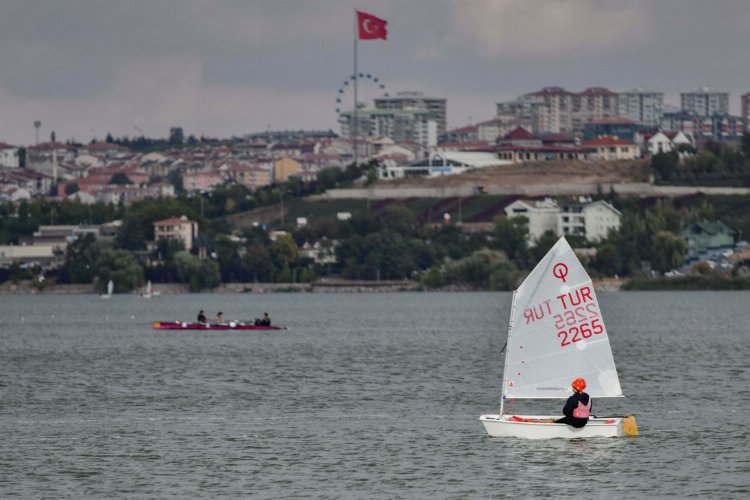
{"x":538,"y":427}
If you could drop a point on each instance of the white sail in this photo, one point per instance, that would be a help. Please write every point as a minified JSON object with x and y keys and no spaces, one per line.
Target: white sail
{"x":110,"y":287}
{"x":148,"y":288}
{"x":557,"y":333}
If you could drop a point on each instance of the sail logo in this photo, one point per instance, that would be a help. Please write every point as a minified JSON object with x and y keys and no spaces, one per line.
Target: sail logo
{"x":560,"y":271}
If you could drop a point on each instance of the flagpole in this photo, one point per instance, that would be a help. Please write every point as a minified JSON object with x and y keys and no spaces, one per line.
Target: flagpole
{"x":354,"y":130}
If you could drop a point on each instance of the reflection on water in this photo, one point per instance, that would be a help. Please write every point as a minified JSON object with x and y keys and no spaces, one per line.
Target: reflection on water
{"x":366,"y":395}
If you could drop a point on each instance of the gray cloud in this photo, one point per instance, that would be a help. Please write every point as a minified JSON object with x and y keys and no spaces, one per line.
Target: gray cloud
{"x":232,"y":67}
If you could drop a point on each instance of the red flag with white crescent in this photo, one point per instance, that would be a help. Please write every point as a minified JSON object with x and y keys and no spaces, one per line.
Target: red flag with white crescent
{"x":371,"y":27}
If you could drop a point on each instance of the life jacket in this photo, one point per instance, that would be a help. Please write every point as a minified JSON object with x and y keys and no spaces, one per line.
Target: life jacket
{"x":583,"y":410}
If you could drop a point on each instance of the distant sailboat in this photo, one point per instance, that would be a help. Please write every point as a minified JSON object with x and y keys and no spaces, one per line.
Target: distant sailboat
{"x":110,"y":290}
{"x":149,"y":292}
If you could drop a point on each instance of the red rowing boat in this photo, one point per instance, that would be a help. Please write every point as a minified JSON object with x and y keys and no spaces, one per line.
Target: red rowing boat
{"x":229,"y":325}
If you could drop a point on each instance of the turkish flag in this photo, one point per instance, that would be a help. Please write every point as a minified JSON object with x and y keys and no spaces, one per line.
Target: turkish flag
{"x":371,"y":27}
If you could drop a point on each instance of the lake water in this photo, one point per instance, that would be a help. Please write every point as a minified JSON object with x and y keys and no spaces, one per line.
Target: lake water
{"x":365,"y":396}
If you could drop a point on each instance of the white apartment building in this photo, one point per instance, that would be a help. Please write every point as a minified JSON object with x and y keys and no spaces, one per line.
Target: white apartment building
{"x":642,"y":106}
{"x":541,"y":214}
{"x":8,"y":156}
{"x":705,"y":102}
{"x":175,"y":228}
{"x":592,"y":220}
{"x":400,"y":125}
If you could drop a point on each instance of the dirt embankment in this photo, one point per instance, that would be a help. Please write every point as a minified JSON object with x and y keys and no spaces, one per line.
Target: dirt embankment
{"x":546,"y":172}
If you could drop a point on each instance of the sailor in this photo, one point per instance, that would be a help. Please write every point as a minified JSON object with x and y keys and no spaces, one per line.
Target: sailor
{"x":201,"y":317}
{"x":578,"y":406}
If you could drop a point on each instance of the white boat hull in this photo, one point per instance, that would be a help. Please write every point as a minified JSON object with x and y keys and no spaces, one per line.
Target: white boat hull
{"x":535,"y":427}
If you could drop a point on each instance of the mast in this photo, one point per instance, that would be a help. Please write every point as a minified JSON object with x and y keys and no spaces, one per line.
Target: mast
{"x":507,"y":342}
{"x":354,"y":127}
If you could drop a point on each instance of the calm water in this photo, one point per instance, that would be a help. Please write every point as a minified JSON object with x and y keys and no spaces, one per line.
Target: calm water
{"x":365,"y":396}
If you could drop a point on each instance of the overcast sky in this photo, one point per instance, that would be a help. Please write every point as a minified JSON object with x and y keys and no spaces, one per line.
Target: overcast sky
{"x":220,"y":68}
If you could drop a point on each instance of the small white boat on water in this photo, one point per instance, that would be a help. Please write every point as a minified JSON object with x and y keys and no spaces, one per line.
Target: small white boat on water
{"x":110,"y":290}
{"x":148,"y":293}
{"x":556,"y":334}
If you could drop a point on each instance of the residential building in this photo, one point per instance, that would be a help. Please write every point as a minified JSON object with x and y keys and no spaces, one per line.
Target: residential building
{"x":49,"y":152}
{"x":528,"y":111}
{"x":624,"y":128}
{"x":541,"y":215}
{"x":176,"y":228}
{"x":594,"y":103}
{"x":39,"y":255}
{"x":468,"y":133}
{"x":418,"y":125}
{"x":745,"y":106}
{"x":659,"y":143}
{"x":444,"y":162}
{"x":705,"y":102}
{"x":567,"y":112}
{"x":411,"y":100}
{"x":704,"y":236}
{"x":285,"y":167}
{"x":520,"y":146}
{"x":610,"y":148}
{"x":599,"y":219}
{"x":201,"y":181}
{"x":9,"y":156}
{"x":641,"y":106}
{"x":593,"y":220}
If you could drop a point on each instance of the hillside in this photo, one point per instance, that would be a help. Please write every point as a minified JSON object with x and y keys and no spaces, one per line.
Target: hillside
{"x":547,"y":172}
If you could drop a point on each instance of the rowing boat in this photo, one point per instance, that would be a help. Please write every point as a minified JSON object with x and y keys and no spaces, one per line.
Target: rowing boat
{"x":230,"y":325}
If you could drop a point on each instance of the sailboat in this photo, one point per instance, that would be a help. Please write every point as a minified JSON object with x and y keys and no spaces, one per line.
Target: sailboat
{"x":149,"y":292}
{"x":556,"y":334}
{"x":110,"y":290}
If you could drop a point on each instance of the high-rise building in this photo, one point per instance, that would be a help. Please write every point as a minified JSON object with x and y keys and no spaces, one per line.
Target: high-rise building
{"x":529,"y":112}
{"x":745,"y":98}
{"x":410,"y":100}
{"x":594,"y":103}
{"x":705,"y":102}
{"x":641,"y":106}
{"x":564,"y":111}
{"x":401,"y":125}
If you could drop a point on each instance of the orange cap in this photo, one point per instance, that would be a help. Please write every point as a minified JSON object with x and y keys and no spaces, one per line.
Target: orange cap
{"x":579,"y":384}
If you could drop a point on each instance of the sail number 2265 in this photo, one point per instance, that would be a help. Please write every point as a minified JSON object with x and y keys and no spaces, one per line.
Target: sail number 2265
{"x":577,"y":324}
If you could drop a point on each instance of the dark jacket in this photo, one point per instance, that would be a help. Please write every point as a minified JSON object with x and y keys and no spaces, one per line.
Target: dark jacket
{"x":571,"y":404}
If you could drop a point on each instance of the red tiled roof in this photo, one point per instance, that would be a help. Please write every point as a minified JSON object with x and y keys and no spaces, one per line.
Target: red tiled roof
{"x":597,"y":91}
{"x":171,"y":221}
{"x":519,"y":134}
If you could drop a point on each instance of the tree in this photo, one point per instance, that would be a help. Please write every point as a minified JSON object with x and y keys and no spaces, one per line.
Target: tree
{"x":511,"y":237}
{"x":119,"y":266}
{"x":607,"y":259}
{"x":120,"y":179}
{"x":285,"y":252}
{"x":71,"y":188}
{"x":546,"y":241}
{"x":176,"y":135}
{"x":665,"y":165}
{"x":258,"y":263}
{"x":80,"y":258}
{"x":668,"y":251}
{"x":198,"y":274}
{"x":485,"y":269}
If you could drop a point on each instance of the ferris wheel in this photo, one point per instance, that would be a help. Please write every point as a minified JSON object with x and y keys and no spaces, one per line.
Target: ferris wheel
{"x":369,"y":87}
